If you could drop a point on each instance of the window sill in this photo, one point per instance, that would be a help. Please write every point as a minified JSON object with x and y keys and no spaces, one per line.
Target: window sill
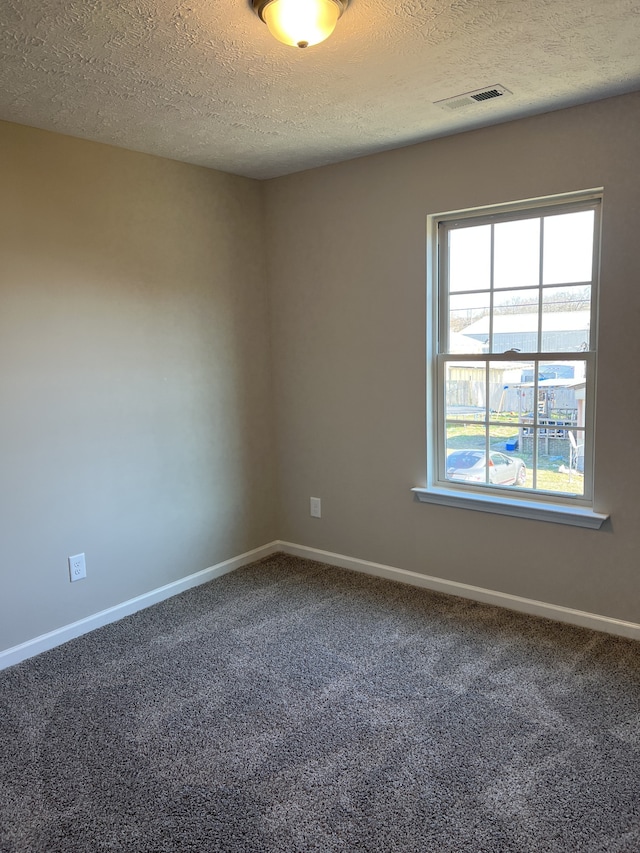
{"x":577,"y":516}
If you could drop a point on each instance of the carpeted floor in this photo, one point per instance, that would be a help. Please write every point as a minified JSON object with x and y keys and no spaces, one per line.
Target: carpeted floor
{"x":291,"y":706}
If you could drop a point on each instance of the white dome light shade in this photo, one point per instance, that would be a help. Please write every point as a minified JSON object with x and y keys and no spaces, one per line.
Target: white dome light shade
{"x":300,"y":23}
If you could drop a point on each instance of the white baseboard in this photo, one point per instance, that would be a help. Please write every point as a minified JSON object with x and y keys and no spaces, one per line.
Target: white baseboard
{"x":43,"y":643}
{"x":618,"y":627}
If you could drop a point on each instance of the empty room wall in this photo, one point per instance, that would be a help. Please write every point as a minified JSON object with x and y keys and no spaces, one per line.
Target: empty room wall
{"x":134,"y":375}
{"x":347,"y":274}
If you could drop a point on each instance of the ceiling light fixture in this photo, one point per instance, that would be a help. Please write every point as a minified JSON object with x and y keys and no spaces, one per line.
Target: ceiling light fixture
{"x":300,"y":23}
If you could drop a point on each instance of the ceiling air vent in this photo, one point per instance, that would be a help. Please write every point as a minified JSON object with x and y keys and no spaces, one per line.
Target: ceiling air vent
{"x":473,"y":98}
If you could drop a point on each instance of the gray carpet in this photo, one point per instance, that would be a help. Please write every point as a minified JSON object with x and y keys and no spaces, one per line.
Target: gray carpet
{"x":291,"y":706}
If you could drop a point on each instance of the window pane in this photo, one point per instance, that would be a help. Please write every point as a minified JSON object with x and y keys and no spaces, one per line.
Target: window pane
{"x":465,"y":322}
{"x":560,"y":461}
{"x":470,"y":258}
{"x":555,"y":423}
{"x":465,"y":453}
{"x":512,"y":418}
{"x":566,"y":319}
{"x":515,"y":321}
{"x":568,"y":247}
{"x":567,"y":298}
{"x":561,"y":394}
{"x":507,"y":465}
{"x":515,"y":404}
{"x":466,"y":392}
{"x":517,"y":253}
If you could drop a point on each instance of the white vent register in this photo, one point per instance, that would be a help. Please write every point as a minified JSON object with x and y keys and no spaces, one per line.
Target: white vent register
{"x":468,"y":99}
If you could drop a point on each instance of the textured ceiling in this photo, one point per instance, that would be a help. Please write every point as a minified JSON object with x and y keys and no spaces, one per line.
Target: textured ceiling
{"x":204,"y":82}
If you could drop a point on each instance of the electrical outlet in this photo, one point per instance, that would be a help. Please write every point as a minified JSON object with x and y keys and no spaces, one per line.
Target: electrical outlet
{"x":77,"y":568}
{"x":315,"y":507}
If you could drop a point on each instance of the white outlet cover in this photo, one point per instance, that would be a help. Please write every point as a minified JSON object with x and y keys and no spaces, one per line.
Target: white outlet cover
{"x":315,"y":507}
{"x":77,"y":568}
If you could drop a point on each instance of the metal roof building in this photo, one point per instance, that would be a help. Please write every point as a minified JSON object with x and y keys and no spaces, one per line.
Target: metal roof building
{"x":561,"y":330}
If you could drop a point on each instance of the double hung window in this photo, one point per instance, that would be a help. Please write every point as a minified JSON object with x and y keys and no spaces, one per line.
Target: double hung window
{"x":513,"y":322}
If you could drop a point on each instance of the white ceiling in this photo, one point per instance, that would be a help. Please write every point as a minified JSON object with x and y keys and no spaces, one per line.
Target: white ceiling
{"x":203,"y":81}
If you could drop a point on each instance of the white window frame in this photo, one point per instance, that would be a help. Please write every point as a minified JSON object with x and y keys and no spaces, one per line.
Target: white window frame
{"x":554,"y":507}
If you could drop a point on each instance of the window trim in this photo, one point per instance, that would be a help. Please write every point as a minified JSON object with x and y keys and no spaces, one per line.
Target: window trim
{"x":577,"y":516}
{"x":574,"y":510}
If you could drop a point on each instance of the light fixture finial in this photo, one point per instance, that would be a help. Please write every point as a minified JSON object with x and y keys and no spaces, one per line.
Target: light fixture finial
{"x":300,"y":23}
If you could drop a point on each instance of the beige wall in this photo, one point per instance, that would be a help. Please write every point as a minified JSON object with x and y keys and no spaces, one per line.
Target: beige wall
{"x":136,"y":421}
{"x":347,"y":284}
{"x":135,"y":352}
